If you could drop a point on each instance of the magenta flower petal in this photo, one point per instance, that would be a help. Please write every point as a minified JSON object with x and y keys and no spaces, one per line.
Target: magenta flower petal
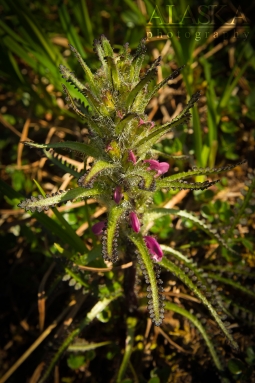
{"x":135,"y":224}
{"x":117,"y":195}
{"x":131,"y":156}
{"x":163,"y":167}
{"x":141,"y":122}
{"x":108,"y":147}
{"x":154,"y":248}
{"x":160,"y":167}
{"x":154,"y":164}
{"x":98,"y":228}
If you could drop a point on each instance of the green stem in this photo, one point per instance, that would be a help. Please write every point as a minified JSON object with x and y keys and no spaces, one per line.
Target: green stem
{"x":131,"y":325}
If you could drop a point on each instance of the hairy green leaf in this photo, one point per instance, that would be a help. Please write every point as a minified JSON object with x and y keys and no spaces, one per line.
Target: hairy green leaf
{"x":89,"y":177}
{"x":109,"y":239}
{"x":196,"y":172}
{"x":40,"y":203}
{"x":185,"y":279}
{"x":81,"y":147}
{"x":156,"y":307}
{"x":173,"y":307}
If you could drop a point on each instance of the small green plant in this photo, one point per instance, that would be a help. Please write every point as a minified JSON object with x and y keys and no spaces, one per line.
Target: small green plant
{"x":124,"y":176}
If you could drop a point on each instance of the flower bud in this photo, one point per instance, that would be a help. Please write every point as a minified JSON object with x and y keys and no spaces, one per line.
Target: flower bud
{"x":135,"y":224}
{"x":131,"y":156}
{"x":98,"y":227}
{"x":117,"y":195}
{"x":154,"y":248}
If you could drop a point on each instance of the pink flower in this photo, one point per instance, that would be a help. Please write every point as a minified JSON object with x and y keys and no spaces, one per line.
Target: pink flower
{"x":160,"y":167}
{"x":117,"y":195}
{"x":108,"y":148}
{"x":131,"y":156}
{"x":142,"y":122}
{"x":97,"y":228}
{"x":154,"y":248}
{"x":134,"y":222}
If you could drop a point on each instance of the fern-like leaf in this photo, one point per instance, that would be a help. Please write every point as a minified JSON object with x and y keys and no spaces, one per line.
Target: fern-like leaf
{"x":111,"y":233}
{"x":184,"y":185}
{"x":195,"y":172}
{"x":81,"y":147}
{"x":155,"y":213}
{"x":56,"y":159}
{"x":155,"y":303}
{"x":40,"y":203}
{"x":196,"y":322}
{"x":249,"y":195}
{"x":185,"y":279}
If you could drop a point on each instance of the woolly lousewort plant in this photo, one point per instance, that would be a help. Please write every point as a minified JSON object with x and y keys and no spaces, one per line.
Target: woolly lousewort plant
{"x":125,"y":173}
